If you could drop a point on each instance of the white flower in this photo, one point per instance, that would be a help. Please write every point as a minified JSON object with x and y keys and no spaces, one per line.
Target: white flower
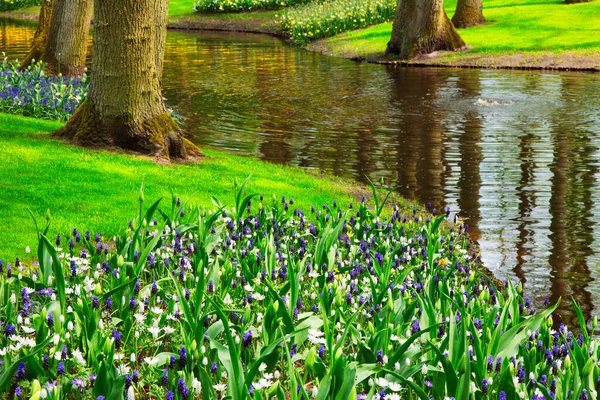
{"x":156,"y":310}
{"x":381,"y":382}
{"x":221,"y":387}
{"x":123,"y":369}
{"x":151,"y":361}
{"x":130,"y":393}
{"x":196,"y":385}
{"x":263,"y":384}
{"x":262,"y":367}
{"x":78,"y":356}
{"x":394,"y":387}
{"x":154,"y":329}
{"x":168,"y":330}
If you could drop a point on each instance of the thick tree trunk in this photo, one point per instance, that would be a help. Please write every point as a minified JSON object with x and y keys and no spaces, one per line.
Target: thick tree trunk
{"x":124,"y":107}
{"x":41,"y":34}
{"x":468,"y":13}
{"x":66,"y":46}
{"x":162,"y":19}
{"x":421,"y":27}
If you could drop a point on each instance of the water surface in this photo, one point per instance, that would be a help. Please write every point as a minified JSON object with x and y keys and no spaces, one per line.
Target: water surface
{"x":516,"y":152}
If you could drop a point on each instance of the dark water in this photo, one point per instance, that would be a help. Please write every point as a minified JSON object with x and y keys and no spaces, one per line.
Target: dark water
{"x":516,"y":152}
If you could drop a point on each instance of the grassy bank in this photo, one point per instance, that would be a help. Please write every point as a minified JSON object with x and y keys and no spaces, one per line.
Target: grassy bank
{"x":97,"y":189}
{"x":522,"y":32}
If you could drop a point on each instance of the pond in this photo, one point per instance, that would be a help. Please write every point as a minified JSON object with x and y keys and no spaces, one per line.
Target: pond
{"x":516,"y":152}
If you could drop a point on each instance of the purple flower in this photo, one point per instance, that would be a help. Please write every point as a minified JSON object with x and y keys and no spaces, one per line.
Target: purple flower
{"x":182,"y":357}
{"x":164,"y":380}
{"x":79,"y":383}
{"x":60,"y":370}
{"x":21,"y":374}
{"x":415,"y":327}
{"x":247,"y":339}
{"x":117,"y":337}
{"x":10,"y":330}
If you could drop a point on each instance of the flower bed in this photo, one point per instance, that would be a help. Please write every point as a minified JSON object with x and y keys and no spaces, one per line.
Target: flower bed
{"x":8,"y":5}
{"x":324,"y":19}
{"x":263,"y":300}
{"x":31,"y":93}
{"x":244,"y":5}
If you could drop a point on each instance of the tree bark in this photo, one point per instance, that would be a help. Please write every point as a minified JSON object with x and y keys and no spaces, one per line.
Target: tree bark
{"x":161,"y":12}
{"x":66,"y":46}
{"x":124,"y":107}
{"x":41,"y":34}
{"x":468,"y":13}
{"x":421,"y":27}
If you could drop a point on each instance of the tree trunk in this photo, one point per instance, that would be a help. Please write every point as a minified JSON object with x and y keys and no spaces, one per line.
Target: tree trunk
{"x":66,"y":46}
{"x":162,"y":19}
{"x":124,"y":107}
{"x":468,"y":13}
{"x":41,"y":33}
{"x":421,"y":27}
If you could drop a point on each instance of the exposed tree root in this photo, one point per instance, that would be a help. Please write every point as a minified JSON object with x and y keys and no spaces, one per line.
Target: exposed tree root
{"x":444,"y":38}
{"x":159,"y":137}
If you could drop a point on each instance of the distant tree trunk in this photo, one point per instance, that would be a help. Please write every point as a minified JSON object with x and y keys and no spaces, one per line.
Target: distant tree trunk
{"x":41,"y":33}
{"x":66,"y":46}
{"x":468,"y":13}
{"x":124,"y":107}
{"x":421,"y":27}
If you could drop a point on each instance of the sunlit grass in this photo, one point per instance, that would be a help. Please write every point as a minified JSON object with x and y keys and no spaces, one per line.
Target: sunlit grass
{"x":97,"y":189}
{"x":513,"y":26}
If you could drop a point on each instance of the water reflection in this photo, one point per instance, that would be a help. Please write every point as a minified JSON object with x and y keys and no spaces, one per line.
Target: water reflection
{"x":516,"y":152}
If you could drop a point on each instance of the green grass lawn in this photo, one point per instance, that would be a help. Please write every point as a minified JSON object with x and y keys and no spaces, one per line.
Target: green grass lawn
{"x":180,"y":8}
{"x":514,"y":26}
{"x":99,"y":190}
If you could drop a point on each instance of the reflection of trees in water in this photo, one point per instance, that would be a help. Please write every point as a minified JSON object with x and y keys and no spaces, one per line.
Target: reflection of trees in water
{"x":526,"y":204}
{"x":571,"y":204}
{"x":469,"y":182}
{"x":419,"y":143}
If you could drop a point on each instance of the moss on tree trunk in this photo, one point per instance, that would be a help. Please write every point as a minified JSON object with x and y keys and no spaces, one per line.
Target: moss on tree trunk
{"x":38,"y":44}
{"x":66,"y":46}
{"x":468,"y":13}
{"x":422,"y":27}
{"x":125,"y":107}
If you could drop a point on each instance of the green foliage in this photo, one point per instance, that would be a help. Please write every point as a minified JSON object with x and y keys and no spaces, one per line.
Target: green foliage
{"x":263,"y":300}
{"x":323,"y":19}
{"x":9,"y":5}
